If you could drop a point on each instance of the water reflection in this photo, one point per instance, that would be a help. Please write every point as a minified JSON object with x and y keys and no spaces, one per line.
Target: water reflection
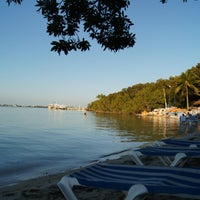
{"x":132,"y":128}
{"x":186,"y":128}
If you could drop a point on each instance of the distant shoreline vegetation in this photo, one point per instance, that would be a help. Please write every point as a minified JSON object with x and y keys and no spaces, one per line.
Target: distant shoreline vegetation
{"x":22,"y":106}
{"x":178,"y":91}
{"x":181,"y":91}
{"x":50,"y":107}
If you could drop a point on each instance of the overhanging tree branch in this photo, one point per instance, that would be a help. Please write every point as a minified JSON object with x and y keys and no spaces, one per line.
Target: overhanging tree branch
{"x":103,"y":20}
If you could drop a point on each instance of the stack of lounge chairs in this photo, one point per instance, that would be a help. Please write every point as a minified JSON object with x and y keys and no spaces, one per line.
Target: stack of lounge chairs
{"x":169,"y":156}
{"x":139,"y":180}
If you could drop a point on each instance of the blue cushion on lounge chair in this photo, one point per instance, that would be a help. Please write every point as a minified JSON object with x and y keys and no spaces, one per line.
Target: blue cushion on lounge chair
{"x":183,"y":182}
{"x":181,"y":142}
{"x":169,"y":151}
{"x":169,"y":156}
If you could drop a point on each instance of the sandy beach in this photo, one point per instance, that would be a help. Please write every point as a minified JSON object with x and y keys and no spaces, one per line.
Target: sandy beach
{"x":45,"y":188}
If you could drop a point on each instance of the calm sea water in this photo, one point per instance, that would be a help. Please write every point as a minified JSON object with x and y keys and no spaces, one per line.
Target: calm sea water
{"x":36,"y":142}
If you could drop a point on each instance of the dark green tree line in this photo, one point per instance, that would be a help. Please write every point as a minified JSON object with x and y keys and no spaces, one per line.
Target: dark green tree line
{"x":176,"y":91}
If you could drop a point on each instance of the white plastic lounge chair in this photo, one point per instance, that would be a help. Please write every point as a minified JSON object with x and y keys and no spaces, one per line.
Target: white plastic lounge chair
{"x":137,"y":180}
{"x":179,"y":142}
{"x":169,"y":156}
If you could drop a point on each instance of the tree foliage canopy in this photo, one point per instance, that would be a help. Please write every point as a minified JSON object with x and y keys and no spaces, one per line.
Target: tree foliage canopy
{"x":103,"y":20}
{"x":188,"y":81}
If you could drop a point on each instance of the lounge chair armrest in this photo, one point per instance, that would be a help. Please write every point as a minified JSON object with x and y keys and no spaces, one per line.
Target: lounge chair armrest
{"x":193,"y":146}
{"x":135,"y":191}
{"x":178,"y":158}
{"x":158,"y":143}
{"x":65,"y":185}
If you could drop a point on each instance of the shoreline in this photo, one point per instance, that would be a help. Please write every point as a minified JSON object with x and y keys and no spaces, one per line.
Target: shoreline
{"x":45,"y":187}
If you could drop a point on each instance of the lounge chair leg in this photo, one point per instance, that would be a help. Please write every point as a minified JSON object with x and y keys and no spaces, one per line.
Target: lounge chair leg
{"x":165,"y":161}
{"x":65,"y":185}
{"x":135,"y":157}
{"x":135,"y":191}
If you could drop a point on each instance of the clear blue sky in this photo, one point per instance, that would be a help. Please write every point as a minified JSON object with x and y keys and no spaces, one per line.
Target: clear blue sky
{"x":167,"y":44}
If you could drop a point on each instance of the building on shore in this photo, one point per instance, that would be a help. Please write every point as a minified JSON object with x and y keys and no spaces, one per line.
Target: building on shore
{"x":56,"y":106}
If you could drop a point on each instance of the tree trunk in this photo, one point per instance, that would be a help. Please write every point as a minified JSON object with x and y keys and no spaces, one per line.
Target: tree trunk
{"x":187,"y":98}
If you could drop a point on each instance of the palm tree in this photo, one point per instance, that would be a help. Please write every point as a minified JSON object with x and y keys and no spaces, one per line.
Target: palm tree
{"x":187,"y":81}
